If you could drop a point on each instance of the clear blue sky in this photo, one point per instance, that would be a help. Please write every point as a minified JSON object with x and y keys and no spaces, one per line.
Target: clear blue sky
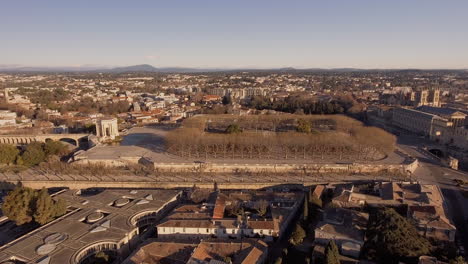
{"x":236,"y":33}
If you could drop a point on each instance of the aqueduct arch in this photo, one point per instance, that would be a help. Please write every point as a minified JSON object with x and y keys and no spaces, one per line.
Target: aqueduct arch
{"x":75,"y":139}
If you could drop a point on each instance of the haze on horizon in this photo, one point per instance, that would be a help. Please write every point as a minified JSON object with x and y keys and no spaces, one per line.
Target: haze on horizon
{"x":236,"y":34}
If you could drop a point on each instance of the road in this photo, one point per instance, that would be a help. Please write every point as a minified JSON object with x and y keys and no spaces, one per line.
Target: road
{"x":430,"y":171}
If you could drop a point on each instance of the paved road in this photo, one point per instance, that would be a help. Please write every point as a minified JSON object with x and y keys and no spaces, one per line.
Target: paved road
{"x":431,"y":171}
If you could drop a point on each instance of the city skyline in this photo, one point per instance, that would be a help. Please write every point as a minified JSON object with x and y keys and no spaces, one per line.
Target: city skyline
{"x":210,"y":34}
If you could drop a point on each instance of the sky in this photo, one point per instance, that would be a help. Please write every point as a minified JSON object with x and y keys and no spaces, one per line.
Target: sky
{"x":236,"y":33}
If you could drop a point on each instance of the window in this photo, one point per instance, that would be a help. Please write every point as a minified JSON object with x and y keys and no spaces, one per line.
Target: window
{"x":207,"y":230}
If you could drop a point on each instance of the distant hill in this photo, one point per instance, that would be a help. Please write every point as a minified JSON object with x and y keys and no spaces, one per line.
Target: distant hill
{"x":150,"y":68}
{"x":134,"y":68}
{"x":7,"y":68}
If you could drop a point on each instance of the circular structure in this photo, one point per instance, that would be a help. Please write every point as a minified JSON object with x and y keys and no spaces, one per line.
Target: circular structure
{"x":121,"y":202}
{"x":89,"y":192}
{"x":45,"y":249}
{"x":55,"y":238}
{"x":83,"y":255}
{"x":94,"y":217}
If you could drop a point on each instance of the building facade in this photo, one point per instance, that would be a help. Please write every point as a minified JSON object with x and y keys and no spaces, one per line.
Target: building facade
{"x":429,"y":97}
{"x":107,"y":128}
{"x":413,"y":120}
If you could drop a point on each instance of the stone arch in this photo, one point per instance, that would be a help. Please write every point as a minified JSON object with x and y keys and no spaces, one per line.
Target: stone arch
{"x":83,"y":141}
{"x":438,"y":152}
{"x":145,"y":219}
{"x":69,"y":140}
{"x":107,"y":246}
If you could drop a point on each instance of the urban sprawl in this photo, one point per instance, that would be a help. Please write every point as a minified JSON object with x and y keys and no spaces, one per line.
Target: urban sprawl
{"x":267,"y":166}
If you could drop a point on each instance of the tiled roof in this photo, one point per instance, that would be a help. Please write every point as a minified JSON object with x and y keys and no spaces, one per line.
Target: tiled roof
{"x":163,"y":252}
{"x":268,"y":224}
{"x":220,"y":206}
{"x":318,"y":190}
{"x":438,"y":110}
{"x":248,"y":251}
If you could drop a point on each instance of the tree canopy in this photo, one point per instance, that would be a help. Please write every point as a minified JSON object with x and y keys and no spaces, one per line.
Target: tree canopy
{"x":298,"y":235}
{"x":277,"y":137}
{"x":227,"y":100}
{"x":332,"y":255}
{"x":52,"y":147}
{"x":8,"y":153}
{"x":458,"y":260}
{"x":303,"y":126}
{"x":392,"y":238}
{"x":34,"y":154}
{"x":18,"y":205}
{"x":233,"y":129}
{"x":293,"y":104}
{"x":46,"y":209}
{"x":23,"y":205}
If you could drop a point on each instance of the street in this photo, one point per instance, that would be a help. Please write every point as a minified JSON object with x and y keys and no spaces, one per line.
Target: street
{"x":430,"y":171}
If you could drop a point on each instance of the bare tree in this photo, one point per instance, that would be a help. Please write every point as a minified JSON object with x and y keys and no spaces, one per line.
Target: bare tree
{"x":262,"y":207}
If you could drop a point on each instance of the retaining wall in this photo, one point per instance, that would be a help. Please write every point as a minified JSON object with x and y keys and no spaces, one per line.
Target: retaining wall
{"x":318,"y":168}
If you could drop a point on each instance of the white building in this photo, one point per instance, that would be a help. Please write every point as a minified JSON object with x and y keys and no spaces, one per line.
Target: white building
{"x":191,"y":221}
{"x":107,"y":128}
{"x":7,"y":118}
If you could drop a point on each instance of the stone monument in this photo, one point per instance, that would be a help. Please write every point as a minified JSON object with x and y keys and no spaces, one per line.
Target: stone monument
{"x":107,"y":128}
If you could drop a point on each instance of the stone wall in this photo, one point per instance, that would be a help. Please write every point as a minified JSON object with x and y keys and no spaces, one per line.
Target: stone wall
{"x":275,"y":168}
{"x":341,"y":169}
{"x":145,"y":185}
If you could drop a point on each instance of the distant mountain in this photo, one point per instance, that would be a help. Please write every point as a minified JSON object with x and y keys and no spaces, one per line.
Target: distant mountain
{"x":104,"y":69}
{"x":150,"y":68}
{"x":20,"y":68}
{"x":134,"y":68}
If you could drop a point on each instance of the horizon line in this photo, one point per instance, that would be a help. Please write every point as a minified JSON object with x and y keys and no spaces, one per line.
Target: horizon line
{"x":109,"y":67}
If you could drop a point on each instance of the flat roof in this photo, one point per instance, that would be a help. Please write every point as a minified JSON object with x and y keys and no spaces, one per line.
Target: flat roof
{"x":113,"y":224}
